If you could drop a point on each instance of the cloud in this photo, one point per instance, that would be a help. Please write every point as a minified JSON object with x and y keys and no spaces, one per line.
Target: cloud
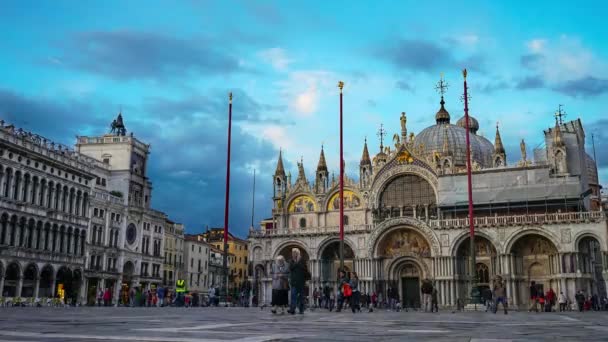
{"x":417,"y":55}
{"x":403,"y":85}
{"x":426,"y":56}
{"x":304,"y":89}
{"x":537,"y":45}
{"x":492,"y":87}
{"x":531,"y":61}
{"x":126,"y":55}
{"x":464,"y":40}
{"x":530,"y":82}
{"x":584,"y":87}
{"x":276,"y":57}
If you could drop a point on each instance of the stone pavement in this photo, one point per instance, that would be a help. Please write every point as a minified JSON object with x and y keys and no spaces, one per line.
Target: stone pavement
{"x":255,"y":325}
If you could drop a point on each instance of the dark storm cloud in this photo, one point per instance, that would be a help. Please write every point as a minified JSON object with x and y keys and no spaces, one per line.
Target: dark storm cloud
{"x":188,"y":155}
{"x":530,"y":82}
{"x":215,"y":104}
{"x":584,"y":87}
{"x":189,"y":158}
{"x":427,"y":56}
{"x":52,"y":119}
{"x":145,"y":55}
{"x":405,"y":86}
{"x":417,"y":55}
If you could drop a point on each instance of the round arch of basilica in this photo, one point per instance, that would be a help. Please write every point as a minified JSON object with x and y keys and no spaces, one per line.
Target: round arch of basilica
{"x":406,"y":218}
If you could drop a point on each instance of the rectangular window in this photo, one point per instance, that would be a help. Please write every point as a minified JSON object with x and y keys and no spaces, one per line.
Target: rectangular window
{"x":191,"y":262}
{"x":113,"y":216}
{"x":193,"y":248}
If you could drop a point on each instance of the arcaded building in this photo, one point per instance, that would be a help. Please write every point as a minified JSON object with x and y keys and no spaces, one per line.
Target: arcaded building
{"x":406,"y":218}
{"x":77,"y":220}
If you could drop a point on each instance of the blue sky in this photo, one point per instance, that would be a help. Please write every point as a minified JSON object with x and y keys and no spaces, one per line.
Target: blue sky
{"x":68,"y":66}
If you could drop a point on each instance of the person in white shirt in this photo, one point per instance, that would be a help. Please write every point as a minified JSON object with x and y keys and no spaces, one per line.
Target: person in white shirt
{"x":562,"y":300}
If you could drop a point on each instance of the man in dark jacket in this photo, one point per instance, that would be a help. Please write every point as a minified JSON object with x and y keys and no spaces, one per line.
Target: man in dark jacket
{"x":297,"y":278}
{"x":533,"y":297}
{"x":427,"y":290}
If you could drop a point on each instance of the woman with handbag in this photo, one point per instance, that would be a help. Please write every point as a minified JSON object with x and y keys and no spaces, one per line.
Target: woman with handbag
{"x":280,"y":285}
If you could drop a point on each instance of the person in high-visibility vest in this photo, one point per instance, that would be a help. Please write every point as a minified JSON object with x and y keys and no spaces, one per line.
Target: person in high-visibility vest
{"x":180,"y":289}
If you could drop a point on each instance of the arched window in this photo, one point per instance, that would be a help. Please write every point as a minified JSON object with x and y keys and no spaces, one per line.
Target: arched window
{"x":302,"y":223}
{"x":483,"y":274}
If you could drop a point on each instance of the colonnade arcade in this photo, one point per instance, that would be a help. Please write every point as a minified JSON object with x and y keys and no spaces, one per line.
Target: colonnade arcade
{"x":32,"y":281}
{"x":403,"y":256}
{"x":38,"y":235}
{"x":52,"y":194}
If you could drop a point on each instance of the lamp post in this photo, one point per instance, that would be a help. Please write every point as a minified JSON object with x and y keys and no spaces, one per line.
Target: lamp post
{"x":227,"y":208}
{"x":341,"y":86}
{"x":474,"y":290}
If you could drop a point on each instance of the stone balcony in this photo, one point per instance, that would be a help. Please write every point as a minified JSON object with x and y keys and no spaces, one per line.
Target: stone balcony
{"x":520,"y":220}
{"x":481,"y":222}
{"x":364,"y":228}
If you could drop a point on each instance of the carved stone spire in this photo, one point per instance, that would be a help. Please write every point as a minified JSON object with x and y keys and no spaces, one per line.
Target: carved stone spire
{"x":557,"y":138}
{"x":365,"y":159}
{"x":301,"y":174}
{"x":499,"y":158}
{"x":403,"y":127}
{"x":280,"y":170}
{"x":498,"y":146}
{"x":322,"y":166}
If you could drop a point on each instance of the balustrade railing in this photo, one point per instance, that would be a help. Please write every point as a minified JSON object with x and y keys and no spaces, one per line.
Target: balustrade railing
{"x":484,"y":221}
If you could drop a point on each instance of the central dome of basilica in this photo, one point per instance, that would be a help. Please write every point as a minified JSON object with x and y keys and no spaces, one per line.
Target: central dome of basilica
{"x":433,"y":140}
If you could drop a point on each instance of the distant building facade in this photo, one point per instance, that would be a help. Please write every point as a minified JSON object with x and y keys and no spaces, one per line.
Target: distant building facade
{"x":197,"y":255}
{"x":75,"y":221}
{"x":174,"y":254}
{"x":238,"y":251}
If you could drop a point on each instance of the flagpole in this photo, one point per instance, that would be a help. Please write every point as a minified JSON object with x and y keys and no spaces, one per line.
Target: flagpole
{"x":474,"y":291}
{"x":341,"y":86}
{"x":227,"y":207}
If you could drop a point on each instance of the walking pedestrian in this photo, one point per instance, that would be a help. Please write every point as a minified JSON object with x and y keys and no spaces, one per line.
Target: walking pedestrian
{"x":100,"y":297}
{"x":297,"y":278}
{"x":280,"y":285}
{"x":562,"y":300}
{"x":427,"y":290}
{"x":533,"y":297}
{"x":161,"y":296}
{"x":500,"y":294}
{"x":434,"y":300}
{"x":580,"y":300}
{"x":344,"y":290}
{"x":106,"y":297}
{"x":355,"y":297}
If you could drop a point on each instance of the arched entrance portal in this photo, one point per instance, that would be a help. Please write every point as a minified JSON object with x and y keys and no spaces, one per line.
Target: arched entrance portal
{"x":404,"y":252}
{"x":64,"y":285}
{"x":485,"y":267}
{"x":533,"y":255}
{"x":30,"y":276}
{"x":330,"y":262}
{"x":405,"y":281}
{"x":591,"y":264}
{"x":127,"y":279}
{"x":46,"y":282}
{"x":11,"y":280}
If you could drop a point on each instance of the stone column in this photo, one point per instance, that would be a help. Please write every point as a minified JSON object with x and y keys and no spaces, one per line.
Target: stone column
{"x":19,"y":286}
{"x":53,"y":285}
{"x":36,"y":286}
{"x":83,"y":291}
{"x":117,"y":288}
{"x":1,"y":285}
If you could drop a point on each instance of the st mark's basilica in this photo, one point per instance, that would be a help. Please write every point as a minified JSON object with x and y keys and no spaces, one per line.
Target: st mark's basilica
{"x":539,"y":219}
